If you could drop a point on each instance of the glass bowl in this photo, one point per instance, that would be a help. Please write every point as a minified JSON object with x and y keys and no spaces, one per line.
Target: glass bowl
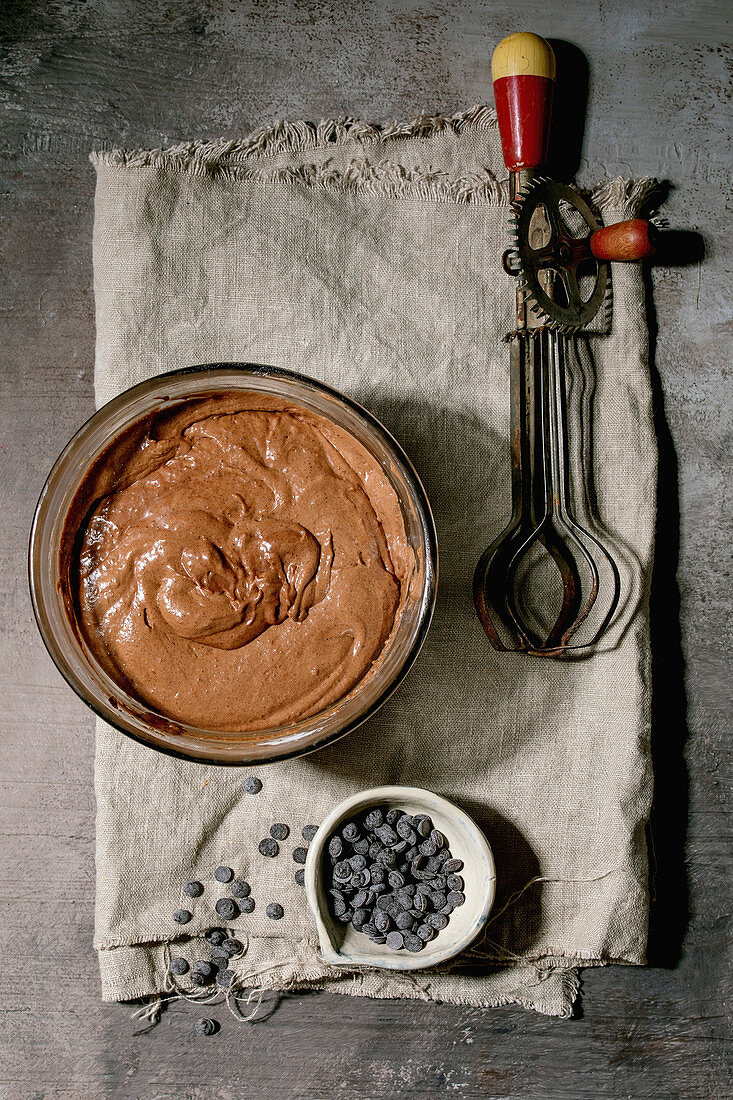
{"x":127,"y":713}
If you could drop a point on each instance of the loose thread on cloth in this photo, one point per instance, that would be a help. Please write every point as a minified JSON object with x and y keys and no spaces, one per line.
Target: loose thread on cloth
{"x":474,"y":952}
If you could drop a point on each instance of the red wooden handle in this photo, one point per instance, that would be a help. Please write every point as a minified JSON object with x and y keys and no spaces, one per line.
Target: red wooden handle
{"x":624,"y":241}
{"x":523,"y":72}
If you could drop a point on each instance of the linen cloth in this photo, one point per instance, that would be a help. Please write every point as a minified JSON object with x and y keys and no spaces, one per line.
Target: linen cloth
{"x":369,"y":258}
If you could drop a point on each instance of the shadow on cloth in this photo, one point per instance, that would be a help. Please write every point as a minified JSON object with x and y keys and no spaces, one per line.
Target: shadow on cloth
{"x":669,"y":909}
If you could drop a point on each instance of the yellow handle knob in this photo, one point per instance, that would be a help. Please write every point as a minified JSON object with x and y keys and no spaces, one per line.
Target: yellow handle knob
{"x":523,"y":54}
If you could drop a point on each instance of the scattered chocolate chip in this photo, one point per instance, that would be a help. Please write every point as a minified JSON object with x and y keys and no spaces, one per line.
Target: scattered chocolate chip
{"x":178,"y":966}
{"x":252,"y":785}
{"x":197,"y":978}
{"x":240,"y":889}
{"x":227,"y":908}
{"x":223,"y":874}
{"x":205,"y":969}
{"x":300,"y":855}
{"x":182,"y":916}
{"x":275,"y":911}
{"x":225,"y":978}
{"x":216,"y":936}
{"x":279,"y":831}
{"x":206,"y":1027}
{"x":268,"y":846}
{"x":300,"y":877}
{"x":193,"y":889}
{"x":232,"y":947}
{"x":308,"y":832}
{"x":247,"y":905}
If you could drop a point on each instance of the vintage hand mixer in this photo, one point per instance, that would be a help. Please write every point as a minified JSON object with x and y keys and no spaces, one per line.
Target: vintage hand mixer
{"x":559,"y":255}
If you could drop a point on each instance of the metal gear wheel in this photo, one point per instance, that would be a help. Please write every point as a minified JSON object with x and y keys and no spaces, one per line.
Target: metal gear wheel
{"x":580,"y":281}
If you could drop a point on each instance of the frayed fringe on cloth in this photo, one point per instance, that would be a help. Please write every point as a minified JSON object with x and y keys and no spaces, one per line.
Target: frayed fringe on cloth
{"x":292,"y":137}
{"x":228,"y":159}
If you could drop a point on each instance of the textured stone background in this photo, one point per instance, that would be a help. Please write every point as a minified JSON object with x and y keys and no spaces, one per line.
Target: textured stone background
{"x":76,"y":76}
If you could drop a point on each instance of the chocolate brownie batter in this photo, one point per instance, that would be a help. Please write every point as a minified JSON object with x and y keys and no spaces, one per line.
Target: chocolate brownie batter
{"x":236,"y":562}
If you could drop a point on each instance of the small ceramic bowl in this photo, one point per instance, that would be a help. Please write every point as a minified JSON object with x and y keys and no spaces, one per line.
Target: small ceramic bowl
{"x":342,"y":945}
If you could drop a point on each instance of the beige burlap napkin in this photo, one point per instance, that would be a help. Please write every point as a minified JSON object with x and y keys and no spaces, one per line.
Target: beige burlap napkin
{"x":369,"y":258}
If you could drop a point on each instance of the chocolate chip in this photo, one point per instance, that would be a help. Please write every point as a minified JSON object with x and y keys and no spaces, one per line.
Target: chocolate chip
{"x":335,"y":847}
{"x":374,"y":818}
{"x":232,"y":947}
{"x":358,"y":862}
{"x":308,"y":832}
{"x":359,"y":879}
{"x":454,"y":882}
{"x":436,"y":920}
{"x":350,"y":831}
{"x":452,"y":865}
{"x":240,"y":889}
{"x":455,"y":898}
{"x":275,"y":911}
{"x":437,"y":900}
{"x":386,"y":834}
{"x":206,"y":1027}
{"x":205,"y":969}
{"x":178,"y":966}
{"x":223,"y":874}
{"x":193,"y":889}
{"x":300,"y":877}
{"x":198,"y":979}
{"x":428,"y":847}
{"x":278,"y":831}
{"x":425,"y":932}
{"x":227,"y":908}
{"x":438,"y":837}
{"x":182,"y":916}
{"x":252,"y":785}
{"x":247,"y":905}
{"x":342,"y":872}
{"x":268,"y":846}
{"x":412,"y":942}
{"x":361,"y":847}
{"x":225,"y":978}
{"x":359,"y":919}
{"x":382,"y":921}
{"x":377,"y":873}
{"x":395,"y":941}
{"x":423,"y":826}
{"x":392,"y":816}
{"x":216,"y":936}
{"x":396,"y":880}
{"x":404,"y":920}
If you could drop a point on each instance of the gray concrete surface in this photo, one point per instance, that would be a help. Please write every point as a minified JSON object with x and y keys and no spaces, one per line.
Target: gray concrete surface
{"x":76,"y":75}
